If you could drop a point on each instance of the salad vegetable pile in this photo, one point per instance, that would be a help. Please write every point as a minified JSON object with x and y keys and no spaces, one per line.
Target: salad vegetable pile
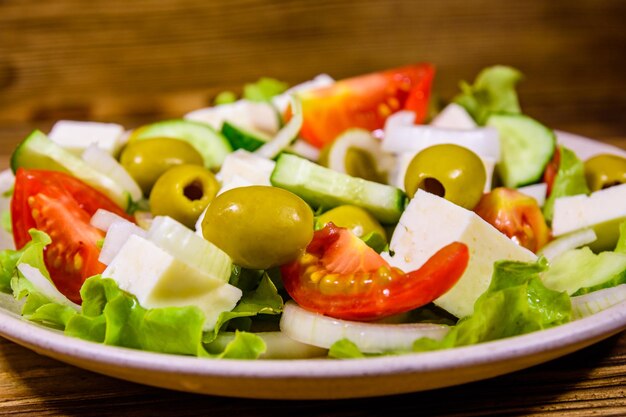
{"x":341,"y":218}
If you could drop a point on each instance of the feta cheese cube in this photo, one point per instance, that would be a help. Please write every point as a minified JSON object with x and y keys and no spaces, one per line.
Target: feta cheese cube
{"x":454,"y":116}
{"x":158,"y":279}
{"x":430,"y":223}
{"x":603,"y":210}
{"x":77,"y":136}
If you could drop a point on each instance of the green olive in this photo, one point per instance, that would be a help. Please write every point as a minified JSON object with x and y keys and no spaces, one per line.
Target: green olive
{"x":183,"y":192}
{"x":259,"y":227}
{"x":147,"y":159}
{"x":360,"y":221}
{"x":603,"y":171}
{"x":449,"y":171}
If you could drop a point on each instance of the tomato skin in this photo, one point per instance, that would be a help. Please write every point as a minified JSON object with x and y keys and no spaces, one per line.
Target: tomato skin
{"x":516,"y":215}
{"x":61,"y":206}
{"x":365,"y":101}
{"x":549,"y":174}
{"x":340,"y":276}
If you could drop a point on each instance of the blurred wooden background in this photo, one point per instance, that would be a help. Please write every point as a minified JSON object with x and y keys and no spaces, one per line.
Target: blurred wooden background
{"x":141,"y":60}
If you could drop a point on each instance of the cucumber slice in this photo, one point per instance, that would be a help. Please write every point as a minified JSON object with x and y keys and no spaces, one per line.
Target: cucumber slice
{"x":39,"y":152}
{"x":581,"y":268}
{"x":323,"y":187}
{"x":242,"y":138}
{"x":211,"y":144}
{"x":527,"y":147}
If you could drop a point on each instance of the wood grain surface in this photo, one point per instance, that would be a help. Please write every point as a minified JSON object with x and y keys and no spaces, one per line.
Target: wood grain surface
{"x":137,"y":61}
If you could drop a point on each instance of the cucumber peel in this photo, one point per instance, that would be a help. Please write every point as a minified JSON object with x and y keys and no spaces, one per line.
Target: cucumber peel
{"x":39,"y":152}
{"x":211,"y":144}
{"x":527,"y":147}
{"x":323,"y":187}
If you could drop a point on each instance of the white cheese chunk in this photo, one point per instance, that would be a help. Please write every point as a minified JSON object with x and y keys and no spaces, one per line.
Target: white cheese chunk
{"x":118,"y":232}
{"x":602,"y":210}
{"x":536,"y":191}
{"x":401,"y":135}
{"x":185,"y":245}
{"x":158,"y":279}
{"x":77,"y":136}
{"x":454,"y":116}
{"x":242,"y":113}
{"x":247,"y":165}
{"x":430,"y":223}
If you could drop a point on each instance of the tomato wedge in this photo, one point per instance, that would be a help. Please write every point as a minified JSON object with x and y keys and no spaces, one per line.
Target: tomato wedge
{"x":365,"y":101}
{"x":61,"y":206}
{"x":516,"y":215}
{"x":340,"y":276}
{"x":549,"y":175}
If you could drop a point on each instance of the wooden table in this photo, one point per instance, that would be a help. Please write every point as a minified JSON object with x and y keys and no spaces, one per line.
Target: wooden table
{"x":588,"y":382}
{"x":132,"y":62}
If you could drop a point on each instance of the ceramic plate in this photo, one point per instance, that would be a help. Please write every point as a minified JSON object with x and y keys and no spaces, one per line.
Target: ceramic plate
{"x":321,"y":378}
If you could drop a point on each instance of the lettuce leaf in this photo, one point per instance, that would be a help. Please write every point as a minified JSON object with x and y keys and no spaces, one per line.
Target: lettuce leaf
{"x":569,"y":180}
{"x":580,"y":271}
{"x":8,"y":266}
{"x":262,"y":300}
{"x":345,"y":349}
{"x":114,"y":317}
{"x":515,"y":303}
{"x":111,"y":316}
{"x":225,"y":97}
{"x":5,"y":221}
{"x":493,"y":91}
{"x":243,"y":346}
{"x":264,"y":89}
{"x":39,"y":306}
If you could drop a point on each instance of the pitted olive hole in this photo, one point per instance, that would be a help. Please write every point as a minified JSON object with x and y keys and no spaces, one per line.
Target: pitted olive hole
{"x":611,"y":184}
{"x":193,"y":190}
{"x":432,"y":186}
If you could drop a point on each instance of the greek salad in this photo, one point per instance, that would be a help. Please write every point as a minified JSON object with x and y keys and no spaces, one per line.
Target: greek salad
{"x":341,"y":219}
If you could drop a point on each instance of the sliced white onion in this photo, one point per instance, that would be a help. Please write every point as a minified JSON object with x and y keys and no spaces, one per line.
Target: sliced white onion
{"x":278,"y":346}
{"x":358,"y":139}
{"x":117,"y":234}
{"x":567,"y":242}
{"x":401,"y":136}
{"x":536,"y":191}
{"x":281,"y":101}
{"x":44,"y":286}
{"x":321,"y":331}
{"x":286,"y":135}
{"x":306,"y":150}
{"x":102,"y":161}
{"x":103,"y":219}
{"x":594,"y":302}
